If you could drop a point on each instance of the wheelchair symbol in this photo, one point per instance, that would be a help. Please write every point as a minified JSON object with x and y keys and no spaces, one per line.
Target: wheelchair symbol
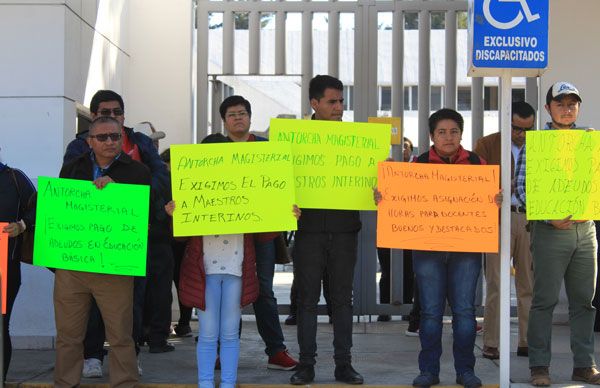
{"x":513,"y":23}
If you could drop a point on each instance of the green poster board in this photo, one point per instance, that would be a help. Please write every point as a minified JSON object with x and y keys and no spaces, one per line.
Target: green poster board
{"x":81,"y":228}
{"x":563,"y":175}
{"x":229,"y":188}
{"x":335,"y":163}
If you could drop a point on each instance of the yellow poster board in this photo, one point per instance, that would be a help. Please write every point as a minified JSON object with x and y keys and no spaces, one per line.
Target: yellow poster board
{"x":229,"y":188}
{"x":563,"y":175}
{"x":438,"y":207}
{"x":335,"y":163}
{"x":395,"y":122}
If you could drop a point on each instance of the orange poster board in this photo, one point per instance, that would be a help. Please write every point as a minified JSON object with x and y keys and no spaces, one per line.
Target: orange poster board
{"x":3,"y":263}
{"x":437,"y":207}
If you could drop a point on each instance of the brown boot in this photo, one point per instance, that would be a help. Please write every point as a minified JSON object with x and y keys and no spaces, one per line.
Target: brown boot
{"x":588,"y":375}
{"x":540,"y":377}
{"x":490,"y":352}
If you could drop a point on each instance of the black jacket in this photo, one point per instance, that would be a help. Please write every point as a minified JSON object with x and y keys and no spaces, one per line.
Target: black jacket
{"x":16,"y":191}
{"x":122,"y":170}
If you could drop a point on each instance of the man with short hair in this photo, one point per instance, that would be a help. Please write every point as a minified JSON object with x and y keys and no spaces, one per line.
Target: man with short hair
{"x":73,"y":290}
{"x":326,"y":239}
{"x":236,"y":113}
{"x":156,"y":287}
{"x":488,"y":147}
{"x":562,"y":250}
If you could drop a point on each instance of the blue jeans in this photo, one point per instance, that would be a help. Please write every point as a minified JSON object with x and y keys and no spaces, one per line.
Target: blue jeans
{"x":219,"y":322}
{"x":452,"y":276}
{"x":265,"y":307}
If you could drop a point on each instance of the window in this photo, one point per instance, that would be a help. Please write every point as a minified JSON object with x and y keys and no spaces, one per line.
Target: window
{"x":518,"y":95}
{"x":490,"y":98}
{"x":464,"y":98}
{"x":436,"y":97}
{"x":385,"y":98}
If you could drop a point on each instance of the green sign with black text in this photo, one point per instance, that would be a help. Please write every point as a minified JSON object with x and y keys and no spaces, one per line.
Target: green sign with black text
{"x":82,"y":228}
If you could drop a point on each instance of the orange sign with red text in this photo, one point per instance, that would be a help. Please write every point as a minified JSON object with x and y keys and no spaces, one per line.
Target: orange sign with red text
{"x":437,"y":207}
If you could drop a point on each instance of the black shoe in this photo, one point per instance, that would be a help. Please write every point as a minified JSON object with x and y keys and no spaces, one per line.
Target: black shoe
{"x":164,"y":348}
{"x":182,"y":330}
{"x":384,"y":318}
{"x":291,"y":320}
{"x":347,"y":374}
{"x":305,"y":374}
{"x":413,"y":326}
{"x":523,"y":351}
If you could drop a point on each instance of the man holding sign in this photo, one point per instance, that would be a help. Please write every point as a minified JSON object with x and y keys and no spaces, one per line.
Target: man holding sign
{"x":561,"y":249}
{"x":326,"y":239}
{"x":73,"y":290}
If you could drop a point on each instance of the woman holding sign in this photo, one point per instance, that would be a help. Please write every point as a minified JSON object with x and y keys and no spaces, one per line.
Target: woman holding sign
{"x":448,"y":276}
{"x":16,"y":191}
{"x":218,"y":276}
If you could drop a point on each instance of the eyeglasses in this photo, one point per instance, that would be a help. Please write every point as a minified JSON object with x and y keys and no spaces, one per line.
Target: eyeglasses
{"x":241,"y":114}
{"x":521,"y":129}
{"x":115,"y":136}
{"x":114,"y":111}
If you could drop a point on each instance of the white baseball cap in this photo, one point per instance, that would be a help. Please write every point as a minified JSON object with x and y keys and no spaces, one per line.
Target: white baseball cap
{"x":560,"y":89}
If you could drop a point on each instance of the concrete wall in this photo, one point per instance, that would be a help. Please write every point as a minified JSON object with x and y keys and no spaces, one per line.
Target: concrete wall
{"x":59,"y":53}
{"x":45,"y":68}
{"x":159,"y":85}
{"x":575,"y":55}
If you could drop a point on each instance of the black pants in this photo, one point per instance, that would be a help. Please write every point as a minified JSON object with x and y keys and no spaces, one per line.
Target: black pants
{"x":384,"y":255}
{"x":157,"y":306}
{"x":185,"y":313}
{"x":313,"y":252}
{"x":294,"y":294}
{"x":12,"y":288}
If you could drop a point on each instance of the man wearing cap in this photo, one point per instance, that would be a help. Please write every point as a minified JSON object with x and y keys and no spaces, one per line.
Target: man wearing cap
{"x":561,"y":249}
{"x":105,"y":164}
{"x":488,"y":147}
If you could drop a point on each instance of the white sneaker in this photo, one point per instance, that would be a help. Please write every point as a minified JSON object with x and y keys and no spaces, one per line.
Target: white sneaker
{"x":92,"y":368}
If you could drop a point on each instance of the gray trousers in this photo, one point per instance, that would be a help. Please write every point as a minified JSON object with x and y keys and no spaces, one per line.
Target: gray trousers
{"x":570,"y":255}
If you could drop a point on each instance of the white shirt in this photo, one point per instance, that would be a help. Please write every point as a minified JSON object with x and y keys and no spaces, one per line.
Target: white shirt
{"x":223,"y":254}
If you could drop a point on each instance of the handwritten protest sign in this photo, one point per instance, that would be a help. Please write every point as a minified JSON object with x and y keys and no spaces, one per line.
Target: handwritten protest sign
{"x":232,"y":188}
{"x":395,"y":122}
{"x":3,"y":263}
{"x":79,"y":227}
{"x":438,"y":207}
{"x":563,"y":175}
{"x":335,"y":163}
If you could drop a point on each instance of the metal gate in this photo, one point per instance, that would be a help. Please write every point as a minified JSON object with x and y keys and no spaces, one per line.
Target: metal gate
{"x":365,"y":85}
